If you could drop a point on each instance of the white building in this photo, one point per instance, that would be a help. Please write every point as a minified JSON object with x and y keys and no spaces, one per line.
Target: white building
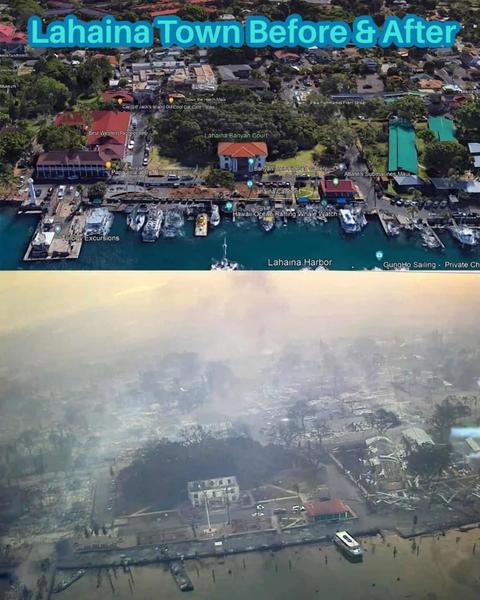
{"x":215,"y":491}
{"x":242,"y":156}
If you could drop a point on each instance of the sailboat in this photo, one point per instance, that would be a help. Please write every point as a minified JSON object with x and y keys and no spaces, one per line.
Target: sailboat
{"x":224,"y":264}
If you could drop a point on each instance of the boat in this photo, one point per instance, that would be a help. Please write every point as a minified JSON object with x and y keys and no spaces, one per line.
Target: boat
{"x":173,"y":222}
{"x":392,"y":229}
{"x":98,"y":222}
{"x":267,"y":221}
{"x":136,"y":219}
{"x":201,"y":223}
{"x":224,"y":264}
{"x":67,"y":582}
{"x":215,"y":216}
{"x":352,"y":220}
{"x":463,"y":234}
{"x":180,"y":575}
{"x":151,"y":231}
{"x":349,"y":546}
{"x":429,"y":240}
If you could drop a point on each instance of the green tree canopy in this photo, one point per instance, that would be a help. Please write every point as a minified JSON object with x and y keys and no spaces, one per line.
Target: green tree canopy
{"x":409,"y":107}
{"x":468,"y":116}
{"x":446,"y":158}
{"x":61,"y":137}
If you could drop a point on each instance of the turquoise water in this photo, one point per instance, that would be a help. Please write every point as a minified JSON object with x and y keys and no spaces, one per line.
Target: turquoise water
{"x":247,"y":244}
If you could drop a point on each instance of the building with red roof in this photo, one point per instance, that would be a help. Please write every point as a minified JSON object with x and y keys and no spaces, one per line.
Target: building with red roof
{"x":242,"y":156}
{"x":329,"y":510}
{"x":338,"y":190}
{"x":11,"y":39}
{"x":107,"y":130}
{"x":114,"y":96}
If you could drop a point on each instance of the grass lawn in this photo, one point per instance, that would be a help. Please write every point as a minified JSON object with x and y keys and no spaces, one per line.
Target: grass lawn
{"x":162,"y":162}
{"x":304,"y":158}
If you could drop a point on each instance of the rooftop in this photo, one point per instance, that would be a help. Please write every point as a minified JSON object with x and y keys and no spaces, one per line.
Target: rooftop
{"x":242,"y":149}
{"x":329,"y":507}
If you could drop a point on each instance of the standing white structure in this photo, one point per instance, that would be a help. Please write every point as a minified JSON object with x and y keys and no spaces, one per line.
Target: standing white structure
{"x":32,"y":196}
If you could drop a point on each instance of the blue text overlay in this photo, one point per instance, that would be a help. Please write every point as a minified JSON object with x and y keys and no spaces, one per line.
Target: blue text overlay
{"x":255,"y":32}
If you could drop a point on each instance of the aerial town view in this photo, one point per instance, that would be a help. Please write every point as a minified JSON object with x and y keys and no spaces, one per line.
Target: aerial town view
{"x":231,"y":158}
{"x":269,"y":449}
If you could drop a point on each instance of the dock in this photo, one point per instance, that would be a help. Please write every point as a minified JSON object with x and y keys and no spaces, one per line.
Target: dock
{"x":390,"y":224}
{"x":58,"y":243}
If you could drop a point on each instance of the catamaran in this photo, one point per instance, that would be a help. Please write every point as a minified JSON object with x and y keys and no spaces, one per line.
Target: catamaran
{"x":465,"y":235}
{"x":151,"y":231}
{"x":352,"y":220}
{"x":136,"y":219}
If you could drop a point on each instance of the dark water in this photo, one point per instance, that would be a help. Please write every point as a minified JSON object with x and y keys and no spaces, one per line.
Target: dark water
{"x":247,"y":244}
{"x":441,"y":569}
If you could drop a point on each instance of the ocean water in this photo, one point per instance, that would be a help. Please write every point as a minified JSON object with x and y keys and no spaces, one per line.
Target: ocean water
{"x":297,"y":245}
{"x":430,"y":568}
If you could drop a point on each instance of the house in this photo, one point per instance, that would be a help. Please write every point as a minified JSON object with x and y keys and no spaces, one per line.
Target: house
{"x":234,"y":72}
{"x":72,"y":165}
{"x":115,"y":96}
{"x":203,"y":77}
{"x":242,"y":156}
{"x":218,"y":490}
{"x":474,"y":149}
{"x":286,"y":57}
{"x":111,"y":58}
{"x":403,"y":183}
{"x":430,"y":84}
{"x":11,"y":40}
{"x":338,"y":190}
{"x":329,"y":511}
{"x":106,"y":130}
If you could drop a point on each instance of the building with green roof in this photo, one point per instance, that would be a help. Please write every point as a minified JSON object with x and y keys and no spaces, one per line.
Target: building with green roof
{"x":443,"y":128}
{"x":402,"y":149}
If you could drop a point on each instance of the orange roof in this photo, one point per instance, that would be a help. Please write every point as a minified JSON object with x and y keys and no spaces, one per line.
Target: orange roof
{"x":70,"y":117}
{"x":242,"y":149}
{"x":430,"y":84}
{"x":112,"y":59}
{"x":329,"y":507}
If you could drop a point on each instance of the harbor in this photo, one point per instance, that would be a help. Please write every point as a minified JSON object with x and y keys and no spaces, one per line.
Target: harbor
{"x":257,"y":240}
{"x":440,"y":566}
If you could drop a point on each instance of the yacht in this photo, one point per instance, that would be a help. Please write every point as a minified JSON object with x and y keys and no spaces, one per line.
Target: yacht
{"x":98,"y":222}
{"x":465,"y":235}
{"x":151,"y":231}
{"x":136,"y":219}
{"x":267,"y":221}
{"x":350,"y":547}
{"x":215,"y":216}
{"x":352,"y":220}
{"x":224,"y":264}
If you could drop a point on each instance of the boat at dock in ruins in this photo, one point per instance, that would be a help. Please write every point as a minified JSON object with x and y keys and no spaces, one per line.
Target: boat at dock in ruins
{"x":224,"y":264}
{"x":180,"y":575}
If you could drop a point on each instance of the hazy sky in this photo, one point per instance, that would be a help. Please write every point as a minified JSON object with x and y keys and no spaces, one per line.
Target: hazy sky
{"x":228,"y":309}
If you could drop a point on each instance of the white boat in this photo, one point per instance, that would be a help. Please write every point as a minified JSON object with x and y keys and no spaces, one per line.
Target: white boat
{"x":392,"y":229}
{"x":215,"y":216}
{"x":352,"y":220}
{"x":224,"y":264}
{"x":98,"y":222}
{"x":348,"y":545}
{"x":465,"y":235}
{"x":267,"y":221}
{"x":151,"y":231}
{"x":136,"y":220}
